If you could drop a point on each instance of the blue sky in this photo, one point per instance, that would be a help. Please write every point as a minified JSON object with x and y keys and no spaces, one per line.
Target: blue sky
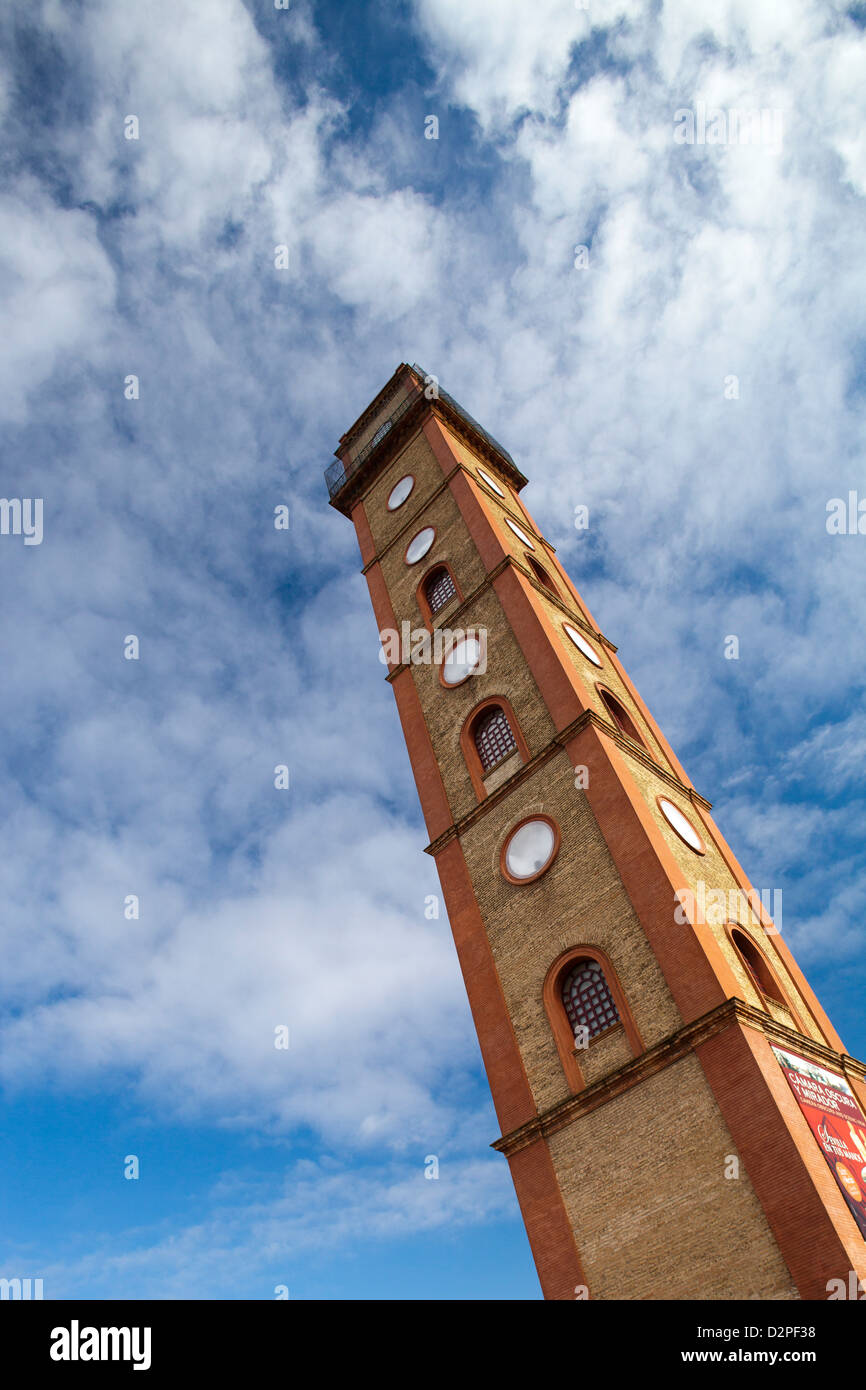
{"x":155,"y":257}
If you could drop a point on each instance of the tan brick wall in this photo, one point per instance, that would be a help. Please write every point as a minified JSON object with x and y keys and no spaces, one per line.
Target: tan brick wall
{"x":452,"y":543}
{"x":653,"y":1214}
{"x":604,"y":1054}
{"x":418,"y":459}
{"x":580,"y":900}
{"x":507,"y":674}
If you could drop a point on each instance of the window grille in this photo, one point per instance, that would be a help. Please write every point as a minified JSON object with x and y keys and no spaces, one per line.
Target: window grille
{"x":494,"y":738}
{"x":588,"y":1000}
{"x":440,"y":589}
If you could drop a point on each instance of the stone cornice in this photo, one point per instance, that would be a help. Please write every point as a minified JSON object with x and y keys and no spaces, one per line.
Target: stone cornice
{"x":359,"y":481}
{"x":665,"y":1054}
{"x":571,"y":612}
{"x":559,"y":741}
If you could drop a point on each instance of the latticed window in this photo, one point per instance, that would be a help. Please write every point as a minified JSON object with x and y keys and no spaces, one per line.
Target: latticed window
{"x":439,"y":589}
{"x":493,"y":738}
{"x":588,"y":1000}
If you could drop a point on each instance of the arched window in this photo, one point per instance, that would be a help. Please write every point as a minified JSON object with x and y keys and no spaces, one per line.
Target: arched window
{"x":494,"y":737}
{"x":541,"y":575}
{"x":490,"y":734}
{"x":439,"y":589}
{"x":620,"y":715}
{"x":588,"y":1000}
{"x":582,"y":990}
{"x":757,"y":968}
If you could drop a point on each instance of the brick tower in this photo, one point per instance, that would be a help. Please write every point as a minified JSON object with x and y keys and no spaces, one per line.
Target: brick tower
{"x":679,"y":1116}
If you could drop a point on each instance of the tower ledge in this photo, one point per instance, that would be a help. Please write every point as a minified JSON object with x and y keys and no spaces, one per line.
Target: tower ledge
{"x":390,"y":420}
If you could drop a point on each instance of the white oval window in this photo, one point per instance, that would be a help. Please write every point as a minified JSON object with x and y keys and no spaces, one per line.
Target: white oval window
{"x":400,"y":492}
{"x":461,"y":661}
{"x":490,"y":483}
{"x":520,"y":534}
{"x":530,"y":849}
{"x":684,"y":828}
{"x":419,"y":545}
{"x":582,"y":645}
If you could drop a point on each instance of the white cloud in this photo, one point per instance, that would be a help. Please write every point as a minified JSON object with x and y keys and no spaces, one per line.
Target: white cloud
{"x":707,"y":514}
{"x":247,"y":1235}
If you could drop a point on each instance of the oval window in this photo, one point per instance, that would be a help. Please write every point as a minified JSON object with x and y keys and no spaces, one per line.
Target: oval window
{"x":582,"y":645}
{"x":681,"y":824}
{"x":400,"y":492}
{"x":490,"y":483}
{"x":461,"y":661}
{"x":419,"y":545}
{"x":521,"y":535}
{"x":530,"y":849}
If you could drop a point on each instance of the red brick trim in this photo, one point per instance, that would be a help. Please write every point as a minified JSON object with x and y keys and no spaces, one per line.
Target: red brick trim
{"x":561,"y":689}
{"x":428,"y":778}
{"x":509,"y":1086}
{"x":816,"y":1234}
{"x":386,"y":619}
{"x":551,"y":1238}
{"x":470,"y":497}
{"x":366,"y":543}
{"x":436,"y":438}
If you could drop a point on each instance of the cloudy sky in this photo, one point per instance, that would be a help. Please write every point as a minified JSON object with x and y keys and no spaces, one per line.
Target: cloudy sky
{"x":697,"y":380}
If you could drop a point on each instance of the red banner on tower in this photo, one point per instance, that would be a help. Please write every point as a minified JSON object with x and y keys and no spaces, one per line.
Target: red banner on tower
{"x":837,"y":1122}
